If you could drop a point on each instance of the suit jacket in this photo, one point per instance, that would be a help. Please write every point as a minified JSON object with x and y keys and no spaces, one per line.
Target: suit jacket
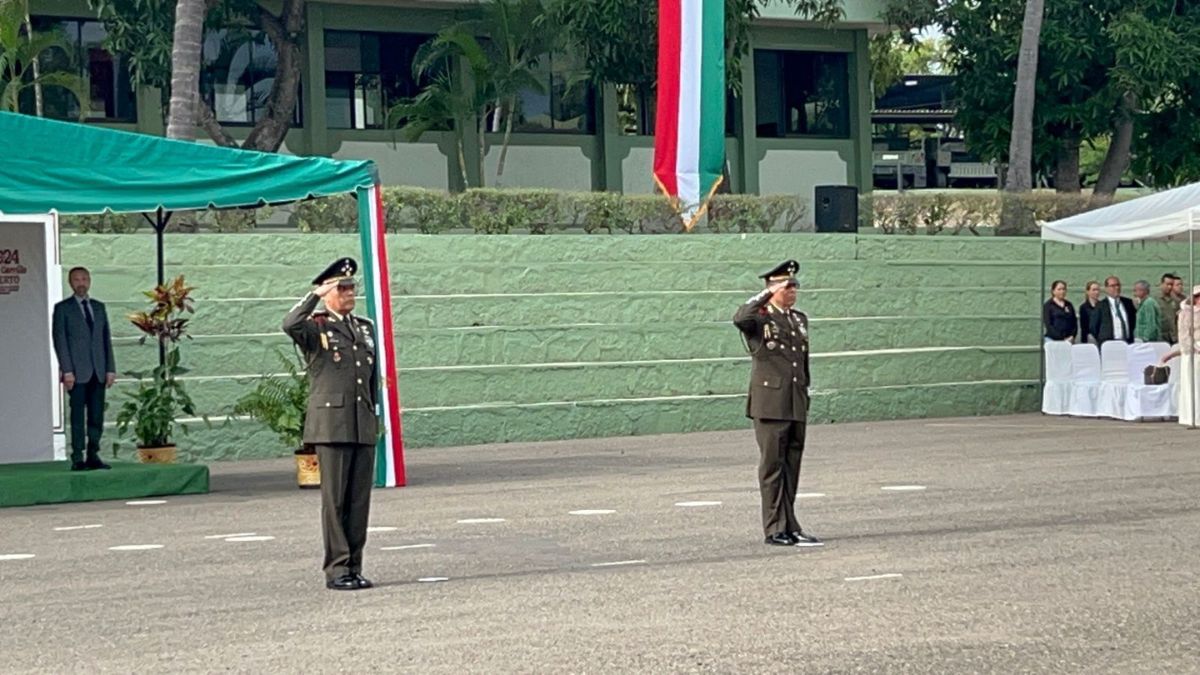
{"x":342,"y":375}
{"x":81,"y":350}
{"x":1102,"y":320}
{"x":778,"y":343}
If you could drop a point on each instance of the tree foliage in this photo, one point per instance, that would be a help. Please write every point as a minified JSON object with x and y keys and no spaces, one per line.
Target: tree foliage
{"x":141,"y":30}
{"x":499,"y":51}
{"x":21,"y":50}
{"x":618,"y":39}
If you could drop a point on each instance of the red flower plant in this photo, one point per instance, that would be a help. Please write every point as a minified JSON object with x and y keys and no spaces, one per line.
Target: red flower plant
{"x":163,"y":322}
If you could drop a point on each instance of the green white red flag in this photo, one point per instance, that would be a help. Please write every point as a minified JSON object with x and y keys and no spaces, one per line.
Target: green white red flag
{"x":689,"y":132}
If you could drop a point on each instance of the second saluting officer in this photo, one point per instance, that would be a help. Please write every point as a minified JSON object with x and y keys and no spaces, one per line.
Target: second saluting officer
{"x":340,"y":421}
{"x":776,"y":336}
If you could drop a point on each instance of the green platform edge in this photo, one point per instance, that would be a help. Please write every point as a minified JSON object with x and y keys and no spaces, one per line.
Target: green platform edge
{"x":54,"y":483}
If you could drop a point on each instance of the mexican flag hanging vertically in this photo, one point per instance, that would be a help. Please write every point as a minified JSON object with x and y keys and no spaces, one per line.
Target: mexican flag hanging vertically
{"x":689,"y":132}
{"x":389,"y":450}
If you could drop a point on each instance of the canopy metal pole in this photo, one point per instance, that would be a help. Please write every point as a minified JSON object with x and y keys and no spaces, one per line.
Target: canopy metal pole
{"x":1041,"y":326}
{"x":160,"y":224}
{"x":1191,"y":317}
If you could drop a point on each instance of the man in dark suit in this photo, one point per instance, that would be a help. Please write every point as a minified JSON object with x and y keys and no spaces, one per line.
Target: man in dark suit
{"x":339,"y":352}
{"x":776,"y":336}
{"x":83,"y":343}
{"x":1115,"y":317}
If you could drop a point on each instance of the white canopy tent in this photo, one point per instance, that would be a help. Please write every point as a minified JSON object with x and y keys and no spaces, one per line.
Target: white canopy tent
{"x":1159,"y":216}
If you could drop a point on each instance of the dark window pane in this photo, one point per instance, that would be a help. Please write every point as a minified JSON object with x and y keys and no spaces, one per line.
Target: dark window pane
{"x":801,"y":94}
{"x":368,"y":103}
{"x":366,"y":74}
{"x":339,"y":97}
{"x":105,"y":78}
{"x":238,"y":74}
{"x":564,"y":102}
{"x":227,"y":62}
{"x":343,"y":52}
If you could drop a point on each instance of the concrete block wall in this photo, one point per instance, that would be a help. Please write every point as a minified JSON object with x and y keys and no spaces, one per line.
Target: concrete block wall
{"x":518,"y":338}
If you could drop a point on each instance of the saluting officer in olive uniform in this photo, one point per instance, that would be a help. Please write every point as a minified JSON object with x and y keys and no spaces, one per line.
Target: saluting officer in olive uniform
{"x":339,"y":350}
{"x":777,"y":337}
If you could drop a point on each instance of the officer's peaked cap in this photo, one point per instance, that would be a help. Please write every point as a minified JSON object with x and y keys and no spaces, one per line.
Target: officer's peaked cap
{"x":342,"y":269}
{"x":784,"y":270}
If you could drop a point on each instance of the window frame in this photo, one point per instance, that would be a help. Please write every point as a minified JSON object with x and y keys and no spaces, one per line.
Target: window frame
{"x":846,"y":95}
{"x":83,"y":70}
{"x":363,"y":72}
{"x":209,"y":95}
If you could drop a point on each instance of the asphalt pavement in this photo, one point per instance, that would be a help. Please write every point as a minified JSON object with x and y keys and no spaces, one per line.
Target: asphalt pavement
{"x":1018,"y":544}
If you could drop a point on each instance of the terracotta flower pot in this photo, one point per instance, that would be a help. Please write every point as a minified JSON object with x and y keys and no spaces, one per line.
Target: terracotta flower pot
{"x":163,"y":455}
{"x":308,"y":469}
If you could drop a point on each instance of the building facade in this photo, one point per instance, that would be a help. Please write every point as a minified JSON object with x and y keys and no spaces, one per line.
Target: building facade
{"x":803,"y":117}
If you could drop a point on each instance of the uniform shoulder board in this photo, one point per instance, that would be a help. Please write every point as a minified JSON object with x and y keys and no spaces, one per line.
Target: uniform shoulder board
{"x":800,"y":314}
{"x":363,"y":319}
{"x":319,"y":317}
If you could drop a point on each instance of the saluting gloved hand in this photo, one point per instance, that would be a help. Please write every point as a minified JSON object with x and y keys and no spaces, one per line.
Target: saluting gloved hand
{"x":324,"y":289}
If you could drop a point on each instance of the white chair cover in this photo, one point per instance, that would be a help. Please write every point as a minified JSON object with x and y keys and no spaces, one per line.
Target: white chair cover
{"x":1143,"y":401}
{"x":1114,"y":379}
{"x":1056,"y":393}
{"x":1085,"y":380}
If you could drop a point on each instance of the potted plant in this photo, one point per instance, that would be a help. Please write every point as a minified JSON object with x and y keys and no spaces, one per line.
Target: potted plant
{"x":152,"y":411}
{"x":280,"y":402}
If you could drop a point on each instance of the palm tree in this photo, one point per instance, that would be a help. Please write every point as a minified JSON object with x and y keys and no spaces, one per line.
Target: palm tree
{"x":21,"y":56}
{"x":1020,"y":148}
{"x":500,"y":52}
{"x":185,"y":68}
{"x":441,"y":102}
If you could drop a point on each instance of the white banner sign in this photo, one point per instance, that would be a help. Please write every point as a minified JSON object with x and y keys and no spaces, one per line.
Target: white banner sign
{"x":28,"y":390}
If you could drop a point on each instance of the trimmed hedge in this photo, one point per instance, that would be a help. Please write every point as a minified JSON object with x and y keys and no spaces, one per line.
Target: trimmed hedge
{"x":493,"y":211}
{"x":935,"y":212}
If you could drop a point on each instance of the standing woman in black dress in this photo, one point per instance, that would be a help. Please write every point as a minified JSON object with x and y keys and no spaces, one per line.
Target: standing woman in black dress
{"x":1058,"y":315}
{"x":1087,"y":310}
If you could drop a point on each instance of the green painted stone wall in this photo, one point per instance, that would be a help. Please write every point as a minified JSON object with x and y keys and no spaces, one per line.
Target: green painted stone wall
{"x":520,"y":338}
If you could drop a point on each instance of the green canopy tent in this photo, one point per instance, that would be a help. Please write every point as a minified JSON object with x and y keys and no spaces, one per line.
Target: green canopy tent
{"x":67,"y":168}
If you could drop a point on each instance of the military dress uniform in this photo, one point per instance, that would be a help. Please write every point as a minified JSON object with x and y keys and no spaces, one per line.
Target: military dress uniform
{"x":778,"y":341}
{"x":340,"y":422}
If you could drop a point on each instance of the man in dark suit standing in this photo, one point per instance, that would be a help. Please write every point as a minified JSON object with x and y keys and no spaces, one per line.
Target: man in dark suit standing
{"x":83,"y":344}
{"x":776,"y":336}
{"x":1115,"y":317}
{"x":340,"y":421}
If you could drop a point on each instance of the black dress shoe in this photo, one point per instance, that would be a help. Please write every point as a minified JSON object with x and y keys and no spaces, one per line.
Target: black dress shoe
{"x":802,"y":538}
{"x":78,"y":466}
{"x":96,"y":463}
{"x":780,"y":539}
{"x":346,"y":582}
{"x":362,"y":581}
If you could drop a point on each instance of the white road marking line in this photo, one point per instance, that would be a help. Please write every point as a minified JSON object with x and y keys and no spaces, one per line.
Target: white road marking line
{"x":135,"y":547}
{"x":70,"y":528}
{"x":871,"y":577}
{"x":903,"y":488}
{"x":810,"y":495}
{"x":406,"y":547}
{"x":591,"y":512}
{"x":809,"y":544}
{"x":619,"y":563}
{"x":15,"y":556}
{"x":146,"y":502}
{"x":475,"y":521}
{"x":697,"y":503}
{"x":233,"y":534}
{"x":426,"y":580}
{"x":260,"y":537}
{"x":382,"y":528}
